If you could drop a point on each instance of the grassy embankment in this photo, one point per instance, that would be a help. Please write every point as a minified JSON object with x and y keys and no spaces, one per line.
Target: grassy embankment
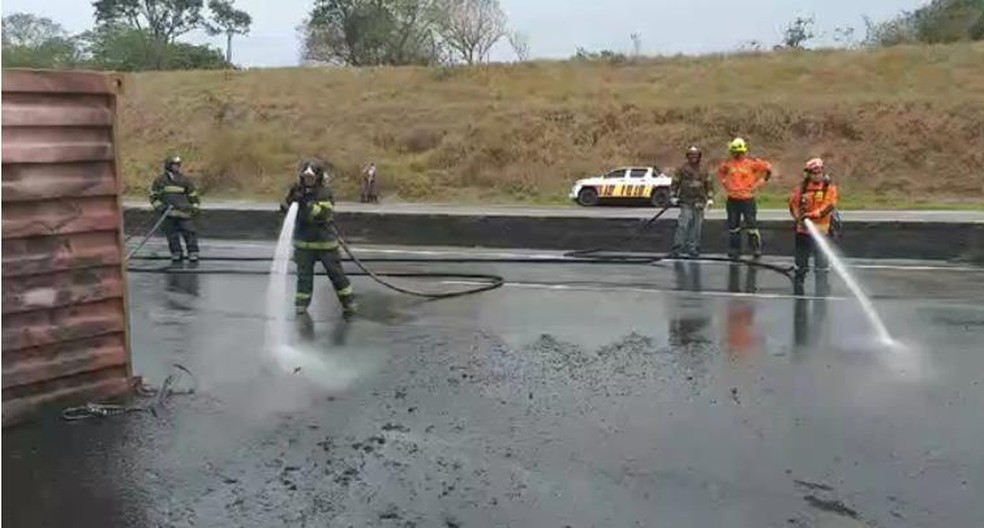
{"x":900,"y":127}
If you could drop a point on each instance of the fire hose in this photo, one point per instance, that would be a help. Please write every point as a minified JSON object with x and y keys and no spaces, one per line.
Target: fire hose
{"x":150,"y":233}
{"x":599,"y":256}
{"x":491,"y":281}
{"x":104,"y":410}
{"x":609,"y":255}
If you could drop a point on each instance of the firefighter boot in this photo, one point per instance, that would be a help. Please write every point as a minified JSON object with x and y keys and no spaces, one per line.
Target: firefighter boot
{"x":822,"y":282}
{"x":734,"y":243}
{"x":799,"y":282}
{"x":305,"y":327}
{"x":349,"y":306}
{"x":755,"y":243}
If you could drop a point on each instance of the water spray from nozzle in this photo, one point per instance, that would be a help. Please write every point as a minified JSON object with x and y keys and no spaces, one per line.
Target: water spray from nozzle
{"x":838,"y":264}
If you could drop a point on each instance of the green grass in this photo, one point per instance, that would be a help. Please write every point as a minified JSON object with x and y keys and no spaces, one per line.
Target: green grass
{"x":899,"y":127}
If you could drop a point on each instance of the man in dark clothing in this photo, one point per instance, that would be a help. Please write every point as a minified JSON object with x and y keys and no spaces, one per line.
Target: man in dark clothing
{"x":369,"y":192}
{"x":692,"y":191}
{"x":315,"y":238}
{"x":173,"y":189}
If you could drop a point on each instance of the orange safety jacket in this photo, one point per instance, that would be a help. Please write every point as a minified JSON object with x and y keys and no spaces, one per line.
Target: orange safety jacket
{"x":816,"y":201}
{"x":741,"y":178}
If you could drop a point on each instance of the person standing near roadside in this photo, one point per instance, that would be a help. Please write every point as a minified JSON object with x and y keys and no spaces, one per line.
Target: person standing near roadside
{"x":692,"y":190}
{"x":173,"y":194}
{"x":369,"y":191}
{"x":742,"y":176}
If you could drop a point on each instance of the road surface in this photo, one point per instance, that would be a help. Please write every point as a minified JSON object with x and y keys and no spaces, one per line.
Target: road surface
{"x":676,"y":394}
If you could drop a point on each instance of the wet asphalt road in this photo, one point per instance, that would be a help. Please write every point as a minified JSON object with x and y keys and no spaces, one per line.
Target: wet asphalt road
{"x":696,"y":394}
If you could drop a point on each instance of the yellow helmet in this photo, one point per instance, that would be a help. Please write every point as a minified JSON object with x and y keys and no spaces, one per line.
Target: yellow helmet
{"x":737,"y":145}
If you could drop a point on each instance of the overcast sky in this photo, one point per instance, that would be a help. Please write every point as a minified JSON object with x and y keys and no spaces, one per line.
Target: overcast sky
{"x":555,"y":27}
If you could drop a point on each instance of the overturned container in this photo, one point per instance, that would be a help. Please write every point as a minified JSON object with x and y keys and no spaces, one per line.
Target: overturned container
{"x":65,"y":331}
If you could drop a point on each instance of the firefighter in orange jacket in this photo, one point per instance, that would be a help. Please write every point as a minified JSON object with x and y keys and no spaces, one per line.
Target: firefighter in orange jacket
{"x":814,"y":199}
{"x":742,"y":176}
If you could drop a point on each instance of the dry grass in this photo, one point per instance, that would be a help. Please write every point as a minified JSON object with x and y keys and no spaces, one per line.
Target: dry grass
{"x":901,"y":126}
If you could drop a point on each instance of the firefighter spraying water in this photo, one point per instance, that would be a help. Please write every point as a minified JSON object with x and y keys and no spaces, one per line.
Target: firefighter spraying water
{"x":814,"y":199}
{"x":315,"y":237}
{"x":813,"y":205}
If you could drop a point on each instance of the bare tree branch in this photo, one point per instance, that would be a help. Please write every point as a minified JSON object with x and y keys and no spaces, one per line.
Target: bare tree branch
{"x":520,"y":44}
{"x":470,"y":27}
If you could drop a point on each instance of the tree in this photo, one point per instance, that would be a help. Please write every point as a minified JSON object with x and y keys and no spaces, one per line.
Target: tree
{"x":845,"y":36}
{"x":25,"y":29}
{"x":371,"y":33}
{"x":889,"y":33}
{"x":950,"y":21}
{"x":750,"y":46}
{"x":165,"y":20}
{"x":184,"y":56}
{"x":939,"y":21}
{"x":121,"y":48}
{"x":30,"y":41}
{"x":520,"y":44}
{"x":229,"y":21}
{"x":797,"y":33}
{"x":414,"y":39}
{"x":613,"y":57}
{"x":162,"y":20}
{"x":636,"y":44}
{"x":353,"y":32}
{"x":470,"y":27}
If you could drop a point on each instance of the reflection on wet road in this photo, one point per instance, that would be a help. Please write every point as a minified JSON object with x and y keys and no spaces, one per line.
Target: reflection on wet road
{"x":683,"y":394}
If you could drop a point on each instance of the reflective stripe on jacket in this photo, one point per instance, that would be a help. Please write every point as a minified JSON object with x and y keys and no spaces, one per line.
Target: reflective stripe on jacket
{"x":315,"y":217}
{"x":176,"y":190}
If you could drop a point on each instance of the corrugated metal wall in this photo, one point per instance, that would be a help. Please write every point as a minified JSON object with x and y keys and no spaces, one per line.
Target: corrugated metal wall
{"x":64,"y":292}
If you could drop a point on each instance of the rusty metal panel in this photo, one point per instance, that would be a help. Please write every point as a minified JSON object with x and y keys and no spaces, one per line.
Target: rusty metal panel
{"x":65,"y":335}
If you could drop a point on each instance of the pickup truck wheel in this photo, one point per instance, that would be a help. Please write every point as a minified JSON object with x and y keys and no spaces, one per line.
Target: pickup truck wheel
{"x":660,"y":198}
{"x":587,"y":196}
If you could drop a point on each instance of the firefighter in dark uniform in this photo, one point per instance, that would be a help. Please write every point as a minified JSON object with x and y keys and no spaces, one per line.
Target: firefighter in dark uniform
{"x":315,"y":238}
{"x":173,"y":189}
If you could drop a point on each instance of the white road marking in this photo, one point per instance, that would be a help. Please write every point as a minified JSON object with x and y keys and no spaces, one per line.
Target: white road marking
{"x":632,"y":289}
{"x":540,"y":256}
{"x":916,"y":267}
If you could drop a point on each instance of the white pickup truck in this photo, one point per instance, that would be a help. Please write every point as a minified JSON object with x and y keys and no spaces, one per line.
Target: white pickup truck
{"x":624,"y":185}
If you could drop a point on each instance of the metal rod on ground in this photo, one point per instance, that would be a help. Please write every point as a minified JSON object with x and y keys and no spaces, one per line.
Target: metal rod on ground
{"x":150,"y":233}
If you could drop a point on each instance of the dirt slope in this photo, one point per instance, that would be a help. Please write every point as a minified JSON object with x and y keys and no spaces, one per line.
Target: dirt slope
{"x":899,"y":127}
